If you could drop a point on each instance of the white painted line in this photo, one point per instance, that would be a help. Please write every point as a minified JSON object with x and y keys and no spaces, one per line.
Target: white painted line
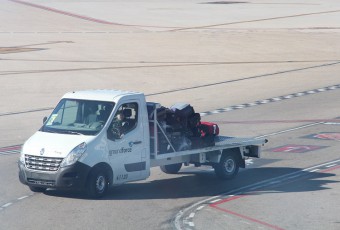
{"x":23,"y":197}
{"x":200,"y":208}
{"x":289,"y":130}
{"x":331,"y":123}
{"x":245,"y":222}
{"x":277,"y":99}
{"x":214,"y":201}
{"x":6,"y":205}
{"x":191,"y":224}
{"x":227,"y":109}
{"x":315,"y":170}
{"x":292,"y":177}
{"x":317,"y":166}
{"x":192,"y":215}
{"x":331,"y":165}
{"x":257,"y":187}
{"x":248,"y":187}
{"x":311,"y":92}
{"x":4,"y":154}
{"x":288,"y":96}
{"x":10,"y":151}
{"x":249,"y":161}
{"x":274,"y":182}
{"x":264,"y":101}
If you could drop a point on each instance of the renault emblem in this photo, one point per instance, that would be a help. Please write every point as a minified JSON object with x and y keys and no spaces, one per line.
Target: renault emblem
{"x":42,"y":151}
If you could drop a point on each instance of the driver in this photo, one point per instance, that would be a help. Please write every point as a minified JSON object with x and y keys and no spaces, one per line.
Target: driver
{"x":120,"y":124}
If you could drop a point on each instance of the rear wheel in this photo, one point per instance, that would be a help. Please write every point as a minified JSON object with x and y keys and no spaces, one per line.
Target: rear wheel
{"x":97,"y":184}
{"x":228,"y":167}
{"x":171,"y":169}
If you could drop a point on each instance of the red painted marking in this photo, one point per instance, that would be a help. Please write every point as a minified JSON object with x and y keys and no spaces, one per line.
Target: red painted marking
{"x":64,"y":12}
{"x":9,"y":148}
{"x":215,"y":205}
{"x":247,"y":218}
{"x":82,"y":16}
{"x":297,"y":148}
{"x":328,"y":136}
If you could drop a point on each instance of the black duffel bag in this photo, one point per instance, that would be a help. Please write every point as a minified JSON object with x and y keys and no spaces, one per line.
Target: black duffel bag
{"x":182,"y":110}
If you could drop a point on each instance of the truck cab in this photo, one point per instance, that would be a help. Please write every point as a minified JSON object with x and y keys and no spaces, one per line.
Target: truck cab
{"x":92,"y":139}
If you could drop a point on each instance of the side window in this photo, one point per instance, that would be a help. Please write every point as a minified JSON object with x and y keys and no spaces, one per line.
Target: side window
{"x":124,"y":121}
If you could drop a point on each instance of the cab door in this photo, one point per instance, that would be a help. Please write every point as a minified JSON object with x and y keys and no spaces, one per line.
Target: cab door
{"x":126,"y":144}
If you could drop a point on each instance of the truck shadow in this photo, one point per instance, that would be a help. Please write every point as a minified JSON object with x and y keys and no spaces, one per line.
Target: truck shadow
{"x":205,"y":183}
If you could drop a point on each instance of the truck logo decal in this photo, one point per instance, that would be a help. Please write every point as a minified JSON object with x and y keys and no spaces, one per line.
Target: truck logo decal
{"x":42,"y":151}
{"x":121,"y":150}
{"x":135,"y":167}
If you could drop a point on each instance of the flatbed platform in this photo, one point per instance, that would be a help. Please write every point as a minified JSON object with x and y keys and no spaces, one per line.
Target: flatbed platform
{"x":221,"y":142}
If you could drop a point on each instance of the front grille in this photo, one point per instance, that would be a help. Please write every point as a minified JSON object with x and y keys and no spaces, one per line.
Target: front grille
{"x":42,"y":163}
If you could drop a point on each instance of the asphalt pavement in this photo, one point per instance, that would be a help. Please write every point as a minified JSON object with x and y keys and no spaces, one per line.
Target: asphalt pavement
{"x":257,"y":68}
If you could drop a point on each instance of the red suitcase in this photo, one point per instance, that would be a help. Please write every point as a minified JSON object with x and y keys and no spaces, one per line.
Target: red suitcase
{"x":209,"y":128}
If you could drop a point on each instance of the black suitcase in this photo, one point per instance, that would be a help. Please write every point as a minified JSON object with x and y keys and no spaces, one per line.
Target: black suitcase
{"x":182,"y":110}
{"x":194,"y":120}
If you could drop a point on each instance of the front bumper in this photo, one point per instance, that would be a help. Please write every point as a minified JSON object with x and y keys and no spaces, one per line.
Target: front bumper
{"x":71,"y":177}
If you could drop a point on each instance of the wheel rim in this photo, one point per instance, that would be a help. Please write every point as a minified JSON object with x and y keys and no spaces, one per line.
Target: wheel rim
{"x":100,"y":183}
{"x":229,"y":166}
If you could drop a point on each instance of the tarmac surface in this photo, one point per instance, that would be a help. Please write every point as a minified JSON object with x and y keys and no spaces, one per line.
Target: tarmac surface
{"x":258,"y":68}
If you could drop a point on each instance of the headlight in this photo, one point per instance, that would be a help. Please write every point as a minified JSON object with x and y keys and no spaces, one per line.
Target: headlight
{"x":74,"y":155}
{"x":22,"y":158}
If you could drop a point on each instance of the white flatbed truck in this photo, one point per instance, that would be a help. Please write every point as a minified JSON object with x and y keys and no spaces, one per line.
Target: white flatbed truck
{"x":78,"y":146}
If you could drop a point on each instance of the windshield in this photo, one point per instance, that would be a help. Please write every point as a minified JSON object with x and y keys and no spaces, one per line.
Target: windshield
{"x":81,"y":117}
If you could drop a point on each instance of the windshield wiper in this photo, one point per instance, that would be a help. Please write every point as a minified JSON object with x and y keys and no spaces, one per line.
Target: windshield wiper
{"x":72,"y":132}
{"x":61,"y":131}
{"x":48,"y":130}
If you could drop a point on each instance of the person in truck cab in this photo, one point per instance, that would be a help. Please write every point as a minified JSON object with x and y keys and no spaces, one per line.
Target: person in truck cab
{"x":92,"y":109}
{"x":120,"y":124}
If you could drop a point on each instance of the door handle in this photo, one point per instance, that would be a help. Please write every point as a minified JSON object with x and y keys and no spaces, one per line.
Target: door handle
{"x":137,"y":142}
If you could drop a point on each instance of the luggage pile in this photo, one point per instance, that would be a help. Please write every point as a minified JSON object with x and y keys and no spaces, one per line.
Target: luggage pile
{"x":184,"y":128}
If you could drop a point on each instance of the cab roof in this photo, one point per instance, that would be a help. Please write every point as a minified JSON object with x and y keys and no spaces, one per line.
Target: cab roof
{"x":100,"y":95}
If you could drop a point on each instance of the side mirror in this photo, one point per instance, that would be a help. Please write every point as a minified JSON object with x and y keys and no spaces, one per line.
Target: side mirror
{"x":44,"y":120}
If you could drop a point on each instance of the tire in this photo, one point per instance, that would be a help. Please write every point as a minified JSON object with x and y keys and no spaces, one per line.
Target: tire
{"x":227,"y":168}
{"x":37,"y":189}
{"x":171,"y":169}
{"x":98,"y":184}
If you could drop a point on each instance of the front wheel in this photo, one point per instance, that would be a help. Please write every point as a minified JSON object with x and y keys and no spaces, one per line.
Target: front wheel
{"x":97,"y":184}
{"x":227,"y":168}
